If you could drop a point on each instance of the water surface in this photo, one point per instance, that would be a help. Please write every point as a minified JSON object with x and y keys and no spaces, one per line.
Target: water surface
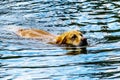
{"x":28,"y":59}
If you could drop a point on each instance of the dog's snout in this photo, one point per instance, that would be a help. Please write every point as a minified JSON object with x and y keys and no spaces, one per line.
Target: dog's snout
{"x":84,"y":39}
{"x":83,"y":42}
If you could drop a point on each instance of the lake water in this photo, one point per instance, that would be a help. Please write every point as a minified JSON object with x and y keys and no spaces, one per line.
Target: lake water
{"x":28,"y":59}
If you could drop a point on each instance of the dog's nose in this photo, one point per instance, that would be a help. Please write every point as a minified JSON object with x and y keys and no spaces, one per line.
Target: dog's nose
{"x":84,"y":39}
{"x":84,"y":42}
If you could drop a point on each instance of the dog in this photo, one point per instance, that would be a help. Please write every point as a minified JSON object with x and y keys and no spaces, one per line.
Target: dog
{"x":72,"y":38}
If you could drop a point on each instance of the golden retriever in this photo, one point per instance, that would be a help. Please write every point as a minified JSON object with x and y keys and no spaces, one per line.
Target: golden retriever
{"x":70,"y":38}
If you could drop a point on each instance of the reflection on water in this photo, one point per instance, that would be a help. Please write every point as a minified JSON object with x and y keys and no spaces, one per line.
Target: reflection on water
{"x":29,"y":59}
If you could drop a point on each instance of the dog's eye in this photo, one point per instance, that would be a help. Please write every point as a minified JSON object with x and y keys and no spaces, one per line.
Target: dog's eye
{"x":74,"y":37}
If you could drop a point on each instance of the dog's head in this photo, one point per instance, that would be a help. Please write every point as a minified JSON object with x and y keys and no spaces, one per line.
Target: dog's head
{"x":73,"y":38}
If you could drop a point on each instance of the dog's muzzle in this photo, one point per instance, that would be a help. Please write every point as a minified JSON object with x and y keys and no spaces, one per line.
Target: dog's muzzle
{"x":84,"y":42}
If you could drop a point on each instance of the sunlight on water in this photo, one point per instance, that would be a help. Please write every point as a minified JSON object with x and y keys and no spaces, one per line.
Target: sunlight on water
{"x":30,"y":59}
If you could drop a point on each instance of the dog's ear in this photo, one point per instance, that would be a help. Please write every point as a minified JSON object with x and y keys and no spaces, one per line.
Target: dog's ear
{"x":61,"y":39}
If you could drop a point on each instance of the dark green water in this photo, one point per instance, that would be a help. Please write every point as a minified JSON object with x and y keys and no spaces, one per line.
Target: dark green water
{"x":27,"y":59}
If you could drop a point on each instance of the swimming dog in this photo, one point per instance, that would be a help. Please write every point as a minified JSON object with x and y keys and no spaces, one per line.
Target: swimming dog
{"x":70,"y":38}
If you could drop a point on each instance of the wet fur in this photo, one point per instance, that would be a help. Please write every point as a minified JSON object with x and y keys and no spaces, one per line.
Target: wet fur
{"x":73,"y":38}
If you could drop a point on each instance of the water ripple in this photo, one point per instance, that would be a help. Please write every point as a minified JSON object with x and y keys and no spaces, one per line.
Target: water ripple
{"x":27,"y":59}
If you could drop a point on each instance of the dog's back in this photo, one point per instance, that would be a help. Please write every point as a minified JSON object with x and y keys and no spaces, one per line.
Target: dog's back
{"x":33,"y":33}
